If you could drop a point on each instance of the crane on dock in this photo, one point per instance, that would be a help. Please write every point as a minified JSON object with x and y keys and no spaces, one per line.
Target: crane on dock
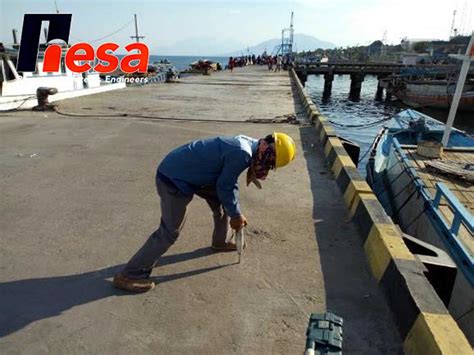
{"x":285,"y":48}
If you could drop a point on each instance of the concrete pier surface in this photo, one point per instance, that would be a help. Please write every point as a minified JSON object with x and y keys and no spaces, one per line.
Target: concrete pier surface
{"x":78,"y":199}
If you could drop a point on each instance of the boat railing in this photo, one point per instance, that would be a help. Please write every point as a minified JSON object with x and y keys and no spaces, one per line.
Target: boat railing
{"x":461,"y":216}
{"x":411,"y":171}
{"x":457,"y":249}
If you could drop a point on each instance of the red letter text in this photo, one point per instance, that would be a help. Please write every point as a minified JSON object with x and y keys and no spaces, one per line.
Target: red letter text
{"x":111,"y":59}
{"x":72,"y":56}
{"x":141,"y":57}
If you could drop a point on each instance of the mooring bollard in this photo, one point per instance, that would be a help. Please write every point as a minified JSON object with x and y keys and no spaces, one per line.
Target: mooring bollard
{"x":42,"y":94}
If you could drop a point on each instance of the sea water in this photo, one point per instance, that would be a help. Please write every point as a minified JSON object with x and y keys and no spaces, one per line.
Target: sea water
{"x":345,"y":113}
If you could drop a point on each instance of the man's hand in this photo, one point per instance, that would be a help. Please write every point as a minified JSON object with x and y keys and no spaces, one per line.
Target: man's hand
{"x":238,"y":222}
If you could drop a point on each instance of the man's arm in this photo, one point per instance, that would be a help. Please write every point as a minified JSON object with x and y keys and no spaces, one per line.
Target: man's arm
{"x":227,"y":186}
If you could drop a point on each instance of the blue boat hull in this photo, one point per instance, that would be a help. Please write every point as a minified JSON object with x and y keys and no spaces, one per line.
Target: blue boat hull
{"x":405,"y":198}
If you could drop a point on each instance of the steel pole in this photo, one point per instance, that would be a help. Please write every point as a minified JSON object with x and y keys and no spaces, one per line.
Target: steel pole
{"x":136,"y":28}
{"x":457,"y":94}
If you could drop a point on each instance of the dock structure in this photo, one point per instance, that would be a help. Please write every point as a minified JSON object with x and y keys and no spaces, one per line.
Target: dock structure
{"x":424,"y":322}
{"x":369,"y":68}
{"x":358,"y":70}
{"x":78,"y":199}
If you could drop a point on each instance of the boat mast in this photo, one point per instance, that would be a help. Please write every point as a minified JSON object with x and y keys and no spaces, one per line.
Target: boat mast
{"x":453,"y":31}
{"x":137,"y":37}
{"x":14,"y":32}
{"x":467,"y":58}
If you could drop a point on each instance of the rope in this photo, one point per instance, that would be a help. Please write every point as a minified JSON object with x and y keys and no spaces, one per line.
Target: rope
{"x":378,"y":136}
{"x":19,"y":106}
{"x":389,"y":182}
{"x":361,"y":125}
{"x":464,"y":314}
{"x":418,"y":216}
{"x":368,"y":150}
{"x":106,"y":36}
{"x":404,"y":203}
{"x":289,"y":118}
{"x":402,"y":189}
{"x":112,"y":33}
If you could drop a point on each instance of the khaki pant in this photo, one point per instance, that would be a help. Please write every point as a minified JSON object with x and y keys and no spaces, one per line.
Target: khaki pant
{"x":173,"y":217}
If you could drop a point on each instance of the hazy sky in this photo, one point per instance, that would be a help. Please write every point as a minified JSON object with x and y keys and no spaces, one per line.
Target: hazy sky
{"x":224,"y":26}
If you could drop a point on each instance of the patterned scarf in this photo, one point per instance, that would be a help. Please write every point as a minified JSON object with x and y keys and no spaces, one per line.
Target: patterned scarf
{"x":261,"y":165}
{"x":265,"y":163}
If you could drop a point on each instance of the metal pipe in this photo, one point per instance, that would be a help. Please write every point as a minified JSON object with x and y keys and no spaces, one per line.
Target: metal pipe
{"x":15,"y":40}
{"x":136,"y":28}
{"x":457,"y":94}
{"x":240,"y":242}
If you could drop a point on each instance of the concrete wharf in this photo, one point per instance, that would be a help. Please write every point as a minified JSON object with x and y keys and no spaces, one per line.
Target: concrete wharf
{"x":358,"y":70}
{"x":78,"y":199}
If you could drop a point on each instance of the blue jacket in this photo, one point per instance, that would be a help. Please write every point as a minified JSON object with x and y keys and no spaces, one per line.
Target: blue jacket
{"x":215,"y":162}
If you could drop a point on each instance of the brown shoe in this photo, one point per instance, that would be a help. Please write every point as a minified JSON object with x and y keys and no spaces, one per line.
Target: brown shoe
{"x":229,"y":246}
{"x":125,"y":283}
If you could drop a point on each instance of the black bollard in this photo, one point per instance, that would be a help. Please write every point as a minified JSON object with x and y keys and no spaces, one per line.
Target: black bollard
{"x":42,"y":94}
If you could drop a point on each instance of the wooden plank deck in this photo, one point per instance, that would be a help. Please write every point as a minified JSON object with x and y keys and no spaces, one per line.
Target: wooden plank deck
{"x":463,"y":190}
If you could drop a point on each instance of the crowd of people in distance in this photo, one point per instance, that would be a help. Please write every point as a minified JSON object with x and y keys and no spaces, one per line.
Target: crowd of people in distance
{"x":275,"y":63}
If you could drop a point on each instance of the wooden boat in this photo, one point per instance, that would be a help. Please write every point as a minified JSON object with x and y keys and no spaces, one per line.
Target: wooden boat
{"x":204,"y":66}
{"x":422,"y":172}
{"x":430,"y":198}
{"x":433,"y":93}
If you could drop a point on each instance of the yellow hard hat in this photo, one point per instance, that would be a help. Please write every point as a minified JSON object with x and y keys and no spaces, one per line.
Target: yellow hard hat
{"x":285,"y":149}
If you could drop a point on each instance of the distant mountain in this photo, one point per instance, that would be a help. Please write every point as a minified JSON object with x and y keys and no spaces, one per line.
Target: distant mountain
{"x":301,"y":42}
{"x":210,"y":46}
{"x":207,"y":46}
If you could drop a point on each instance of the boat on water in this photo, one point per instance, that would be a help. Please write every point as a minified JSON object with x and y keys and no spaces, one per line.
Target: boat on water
{"x":166,"y":71}
{"x":430,"y":196}
{"x":203,"y":66}
{"x":158,"y":72}
{"x":432,"y":93}
{"x":422,"y":172}
{"x":18,"y":90}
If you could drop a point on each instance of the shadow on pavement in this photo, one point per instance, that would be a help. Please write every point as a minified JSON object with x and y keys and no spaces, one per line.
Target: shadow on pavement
{"x":176,"y":258}
{"x":26,"y":301}
{"x":351,"y":293}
